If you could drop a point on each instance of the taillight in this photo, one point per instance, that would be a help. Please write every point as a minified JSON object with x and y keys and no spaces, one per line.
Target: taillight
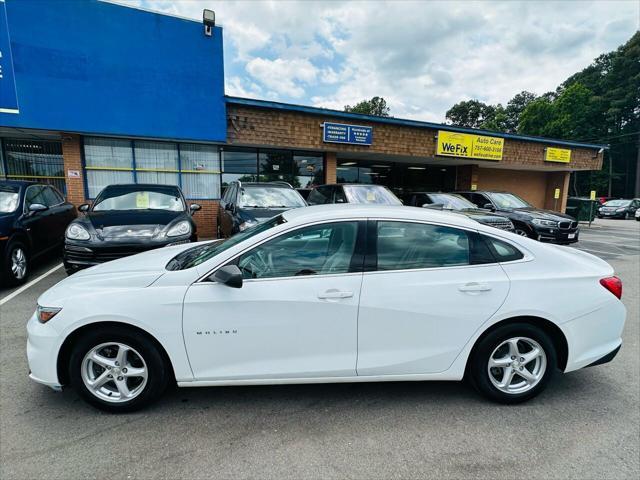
{"x":613,"y":284}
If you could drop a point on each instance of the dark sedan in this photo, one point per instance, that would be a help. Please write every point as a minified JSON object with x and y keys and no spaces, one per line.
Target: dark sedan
{"x":529,"y":221}
{"x":458,"y":204}
{"x":33,"y":218}
{"x":128,"y":219}
{"x":619,"y":208}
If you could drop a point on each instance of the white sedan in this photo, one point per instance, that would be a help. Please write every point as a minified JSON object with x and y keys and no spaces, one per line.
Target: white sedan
{"x":336,"y":293}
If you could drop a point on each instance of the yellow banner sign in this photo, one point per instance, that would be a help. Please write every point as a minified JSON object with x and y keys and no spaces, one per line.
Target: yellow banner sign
{"x":452,"y":144}
{"x":560,"y":155}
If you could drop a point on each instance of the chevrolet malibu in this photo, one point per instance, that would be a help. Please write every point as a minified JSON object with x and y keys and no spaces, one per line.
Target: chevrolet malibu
{"x":332,"y":293}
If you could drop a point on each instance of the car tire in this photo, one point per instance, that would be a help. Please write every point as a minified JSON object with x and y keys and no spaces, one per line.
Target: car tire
{"x":15,"y":264}
{"x":626,"y":216}
{"x":141,"y":371}
{"x":509,"y":384}
{"x":521,"y":231}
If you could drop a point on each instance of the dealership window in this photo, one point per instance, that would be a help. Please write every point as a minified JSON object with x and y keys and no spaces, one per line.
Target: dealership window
{"x":399,"y":177}
{"x":193,"y":167}
{"x":35,"y":160}
{"x":300,"y":169}
{"x":239,"y":164}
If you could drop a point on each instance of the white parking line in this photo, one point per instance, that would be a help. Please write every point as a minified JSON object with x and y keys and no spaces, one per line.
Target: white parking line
{"x":28,"y":285}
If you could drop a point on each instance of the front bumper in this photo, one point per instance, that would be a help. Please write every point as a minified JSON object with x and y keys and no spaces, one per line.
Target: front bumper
{"x":556,"y":235}
{"x":611,"y":214}
{"x":42,"y":353}
{"x":79,"y":255}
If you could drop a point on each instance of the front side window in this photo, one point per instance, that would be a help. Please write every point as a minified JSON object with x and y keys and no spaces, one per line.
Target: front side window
{"x":507,"y":200}
{"x":51,"y":197}
{"x":405,"y":245}
{"x":452,"y":201}
{"x":127,"y":198}
{"x":35,"y":194}
{"x":317,"y":250}
{"x":320,"y":196}
{"x":269,"y":197}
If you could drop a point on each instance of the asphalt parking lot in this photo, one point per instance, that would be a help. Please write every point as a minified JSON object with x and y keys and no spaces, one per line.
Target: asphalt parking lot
{"x":586,"y":425}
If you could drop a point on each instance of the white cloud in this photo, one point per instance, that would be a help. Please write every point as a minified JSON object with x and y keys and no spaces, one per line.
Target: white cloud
{"x":421,"y":56}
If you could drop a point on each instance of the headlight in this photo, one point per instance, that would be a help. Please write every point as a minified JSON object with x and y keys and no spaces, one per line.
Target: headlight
{"x":179,"y":229}
{"x":544,"y":223}
{"x":244,"y":225}
{"x":44,"y":314}
{"x":77,"y":232}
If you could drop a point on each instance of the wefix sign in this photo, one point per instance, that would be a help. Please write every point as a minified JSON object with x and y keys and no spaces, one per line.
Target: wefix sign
{"x":464,"y":145}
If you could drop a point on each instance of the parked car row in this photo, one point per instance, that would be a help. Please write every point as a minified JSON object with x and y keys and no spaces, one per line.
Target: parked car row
{"x":127,"y":219}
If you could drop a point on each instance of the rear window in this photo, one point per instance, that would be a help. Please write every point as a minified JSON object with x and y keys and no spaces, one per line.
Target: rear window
{"x":376,"y":194}
{"x":503,"y":251}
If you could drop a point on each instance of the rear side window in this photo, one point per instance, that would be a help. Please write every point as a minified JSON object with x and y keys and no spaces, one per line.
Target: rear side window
{"x":404,"y":246}
{"x":319,"y":196}
{"x":502,"y":251}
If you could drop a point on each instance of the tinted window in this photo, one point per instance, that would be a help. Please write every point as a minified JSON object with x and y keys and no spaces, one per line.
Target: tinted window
{"x":451,"y":201}
{"x":479,"y":200}
{"x":340,"y":197}
{"x":320,"y":196}
{"x":404,"y":245}
{"x":317,"y":250}
{"x":503,"y":251}
{"x":34,"y":195}
{"x":51,"y":197}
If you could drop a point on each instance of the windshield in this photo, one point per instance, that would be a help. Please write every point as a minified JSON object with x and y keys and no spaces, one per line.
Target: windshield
{"x":617,"y":203}
{"x":199,"y":254}
{"x":145,"y":199}
{"x":507,"y":200}
{"x":9,"y":198}
{"x":449,"y":200}
{"x":370,"y":194}
{"x":270,"y":197}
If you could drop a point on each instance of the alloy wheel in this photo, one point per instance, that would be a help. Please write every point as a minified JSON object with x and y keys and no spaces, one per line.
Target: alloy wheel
{"x":114,"y":372}
{"x":18,"y":263}
{"x":521,"y":232}
{"x":517,"y":365}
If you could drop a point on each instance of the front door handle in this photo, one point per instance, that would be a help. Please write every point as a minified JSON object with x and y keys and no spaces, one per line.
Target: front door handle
{"x":334,"y":294}
{"x":474,"y":287}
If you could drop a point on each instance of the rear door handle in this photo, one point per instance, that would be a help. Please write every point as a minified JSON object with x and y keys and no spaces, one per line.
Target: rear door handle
{"x":474,"y":287}
{"x":334,"y":294}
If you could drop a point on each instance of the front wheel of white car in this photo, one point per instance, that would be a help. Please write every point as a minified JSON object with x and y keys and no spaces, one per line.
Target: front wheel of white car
{"x":513,"y":363}
{"x":117,"y":371}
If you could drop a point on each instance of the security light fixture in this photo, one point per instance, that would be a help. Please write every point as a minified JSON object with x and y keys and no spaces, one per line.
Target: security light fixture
{"x":209,"y":21}
{"x":346,"y":164}
{"x":416,"y":168}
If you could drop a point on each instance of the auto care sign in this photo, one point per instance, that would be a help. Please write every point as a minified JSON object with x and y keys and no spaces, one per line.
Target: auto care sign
{"x":560,"y":155}
{"x":465,"y":145}
{"x":8,"y":97}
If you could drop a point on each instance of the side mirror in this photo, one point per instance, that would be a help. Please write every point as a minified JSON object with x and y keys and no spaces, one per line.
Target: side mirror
{"x":194,"y":207}
{"x":488,"y":206}
{"x":37,"y":207}
{"x":229,"y":275}
{"x":84,"y":207}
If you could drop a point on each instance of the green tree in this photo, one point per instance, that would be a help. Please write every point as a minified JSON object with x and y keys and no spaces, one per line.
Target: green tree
{"x":470,"y":113}
{"x":375,"y":106}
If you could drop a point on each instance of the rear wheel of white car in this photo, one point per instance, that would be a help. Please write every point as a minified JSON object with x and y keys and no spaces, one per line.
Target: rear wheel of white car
{"x":117,"y":371}
{"x":513,"y":363}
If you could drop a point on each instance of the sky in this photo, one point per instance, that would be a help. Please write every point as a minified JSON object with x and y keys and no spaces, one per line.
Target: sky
{"x":421,"y":56}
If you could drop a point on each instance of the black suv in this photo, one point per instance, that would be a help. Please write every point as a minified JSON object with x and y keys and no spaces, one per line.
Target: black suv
{"x":246,"y":204}
{"x":33,"y":219}
{"x":528,"y":221}
{"x":458,"y":204}
{"x":352,"y":193}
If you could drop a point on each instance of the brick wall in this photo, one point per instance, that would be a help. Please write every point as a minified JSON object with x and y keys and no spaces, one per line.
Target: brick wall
{"x":72,"y":157}
{"x":264,"y":127}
